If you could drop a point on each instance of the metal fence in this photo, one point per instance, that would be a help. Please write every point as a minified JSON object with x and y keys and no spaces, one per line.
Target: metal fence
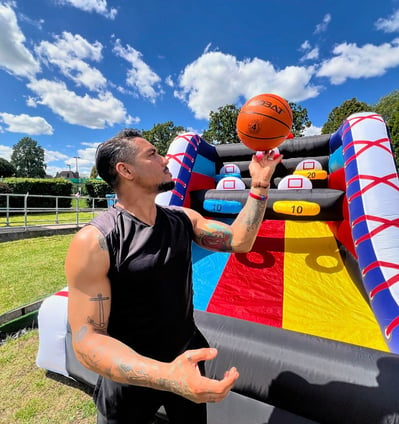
{"x":16,"y":210}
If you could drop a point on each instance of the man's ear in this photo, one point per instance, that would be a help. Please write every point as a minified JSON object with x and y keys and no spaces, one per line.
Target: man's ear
{"x":125,"y":170}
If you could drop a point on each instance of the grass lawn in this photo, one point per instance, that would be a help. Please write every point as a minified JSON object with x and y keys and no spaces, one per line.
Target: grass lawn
{"x":33,"y":219}
{"x":29,"y":394}
{"x":31,"y":269}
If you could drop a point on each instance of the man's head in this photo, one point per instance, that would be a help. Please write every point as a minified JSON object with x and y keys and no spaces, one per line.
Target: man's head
{"x":130,"y":155}
{"x":116,"y":149}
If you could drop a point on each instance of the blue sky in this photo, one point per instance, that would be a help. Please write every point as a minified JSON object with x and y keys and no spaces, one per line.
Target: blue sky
{"x":75,"y":72}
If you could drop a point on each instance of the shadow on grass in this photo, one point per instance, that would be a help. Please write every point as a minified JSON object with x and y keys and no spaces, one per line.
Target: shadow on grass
{"x":70,"y":382}
{"x":160,"y":418}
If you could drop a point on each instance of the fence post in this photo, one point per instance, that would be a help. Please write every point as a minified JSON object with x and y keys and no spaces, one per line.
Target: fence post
{"x":77,"y":209}
{"x":8,"y":210}
{"x":26,"y":210}
{"x":56,"y":210}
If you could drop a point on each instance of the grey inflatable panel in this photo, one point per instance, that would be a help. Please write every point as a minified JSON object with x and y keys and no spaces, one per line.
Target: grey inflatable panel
{"x":288,"y":377}
{"x":239,"y":409}
{"x":315,"y":378}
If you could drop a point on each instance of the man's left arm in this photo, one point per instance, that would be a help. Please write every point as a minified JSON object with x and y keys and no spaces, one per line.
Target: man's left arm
{"x":241,"y":234}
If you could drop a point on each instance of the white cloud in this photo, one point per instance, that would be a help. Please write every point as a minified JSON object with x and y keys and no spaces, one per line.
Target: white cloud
{"x":305,"y":46}
{"x":355,"y":62}
{"x":68,"y":53}
{"x":140,"y":77}
{"x":91,"y":112}
{"x":390,"y":24}
{"x":86,"y":159}
{"x":15,"y":58}
{"x":37,"y":24}
{"x":216,"y":79}
{"x":169,"y":81}
{"x":53,"y":156}
{"x":26,"y":124}
{"x":6,"y":152}
{"x":310,"y":53}
{"x":322,"y":27}
{"x":312,"y":130}
{"x":97,"y":6}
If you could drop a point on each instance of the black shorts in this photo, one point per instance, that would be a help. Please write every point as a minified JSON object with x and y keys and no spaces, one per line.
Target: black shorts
{"x":126,"y":404}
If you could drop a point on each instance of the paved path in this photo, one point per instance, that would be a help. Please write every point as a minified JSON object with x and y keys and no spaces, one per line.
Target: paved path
{"x":17,"y":233}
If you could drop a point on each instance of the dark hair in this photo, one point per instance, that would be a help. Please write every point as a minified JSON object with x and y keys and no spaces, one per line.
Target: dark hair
{"x":116,"y":149}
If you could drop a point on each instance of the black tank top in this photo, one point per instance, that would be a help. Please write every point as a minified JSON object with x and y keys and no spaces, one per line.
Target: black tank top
{"x":151,"y":280}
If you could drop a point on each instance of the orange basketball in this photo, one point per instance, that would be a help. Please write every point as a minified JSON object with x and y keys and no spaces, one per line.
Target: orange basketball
{"x":264,"y":122}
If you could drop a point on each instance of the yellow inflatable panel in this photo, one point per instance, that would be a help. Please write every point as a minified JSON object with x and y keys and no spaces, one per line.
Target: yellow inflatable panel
{"x":312,"y":174}
{"x":296,"y":207}
{"x":315,"y":276}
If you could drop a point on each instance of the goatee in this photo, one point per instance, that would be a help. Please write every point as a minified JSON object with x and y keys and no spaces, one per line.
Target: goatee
{"x":170,"y":185}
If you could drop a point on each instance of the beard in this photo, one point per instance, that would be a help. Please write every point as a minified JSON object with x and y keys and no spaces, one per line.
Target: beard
{"x":170,"y":185}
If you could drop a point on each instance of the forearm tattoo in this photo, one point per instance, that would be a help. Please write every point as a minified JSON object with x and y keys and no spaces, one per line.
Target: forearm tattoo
{"x":252,"y":215}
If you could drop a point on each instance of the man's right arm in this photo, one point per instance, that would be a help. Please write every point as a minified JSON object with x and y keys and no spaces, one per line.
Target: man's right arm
{"x":89,"y":306}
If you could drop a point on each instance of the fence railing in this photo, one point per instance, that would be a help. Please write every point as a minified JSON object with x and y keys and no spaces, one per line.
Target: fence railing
{"x":19,"y":210}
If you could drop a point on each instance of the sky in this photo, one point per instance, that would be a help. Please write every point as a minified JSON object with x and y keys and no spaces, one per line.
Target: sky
{"x":73,"y":73}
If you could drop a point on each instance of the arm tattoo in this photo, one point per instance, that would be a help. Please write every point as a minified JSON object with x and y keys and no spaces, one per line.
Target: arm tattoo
{"x":100,"y":324}
{"x":102,"y":242}
{"x":252,"y":216}
{"x":216,"y":238}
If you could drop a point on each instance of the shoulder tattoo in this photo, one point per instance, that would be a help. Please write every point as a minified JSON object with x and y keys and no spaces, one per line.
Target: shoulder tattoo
{"x":102,"y":242}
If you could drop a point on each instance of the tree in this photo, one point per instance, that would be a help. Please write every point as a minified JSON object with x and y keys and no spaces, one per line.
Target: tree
{"x":28,"y":159}
{"x":93,"y":172}
{"x":222,"y":126}
{"x":300,"y":119}
{"x":388,"y":108}
{"x":338,"y":115}
{"x":6,"y":169}
{"x":161,"y":135}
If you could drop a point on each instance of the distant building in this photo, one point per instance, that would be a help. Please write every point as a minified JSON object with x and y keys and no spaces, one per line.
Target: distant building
{"x":67,"y":174}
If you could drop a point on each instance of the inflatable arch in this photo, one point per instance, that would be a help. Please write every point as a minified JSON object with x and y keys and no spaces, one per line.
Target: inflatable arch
{"x":310,"y":316}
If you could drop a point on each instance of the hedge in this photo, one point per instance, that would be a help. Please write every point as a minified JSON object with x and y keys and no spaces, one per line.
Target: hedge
{"x":97,"y":188}
{"x":38,"y":186}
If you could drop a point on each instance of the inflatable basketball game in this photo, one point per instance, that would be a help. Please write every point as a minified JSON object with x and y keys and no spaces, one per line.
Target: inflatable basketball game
{"x":310,"y":316}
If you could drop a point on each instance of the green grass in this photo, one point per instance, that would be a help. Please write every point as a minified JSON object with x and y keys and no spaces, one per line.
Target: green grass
{"x":31,"y":269}
{"x":29,"y":394}
{"x":46,"y":219}
{"x":51,"y":218}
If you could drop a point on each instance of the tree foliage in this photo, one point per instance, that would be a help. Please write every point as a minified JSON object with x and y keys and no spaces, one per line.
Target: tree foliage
{"x":161,"y":135}
{"x":300,"y":119}
{"x":6,"y":168}
{"x":28,"y":159}
{"x":338,"y":115}
{"x":388,"y":108}
{"x":222,"y":126}
{"x":93,"y":172}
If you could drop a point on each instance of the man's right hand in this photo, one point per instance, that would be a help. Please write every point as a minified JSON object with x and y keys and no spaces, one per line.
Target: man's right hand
{"x":187,"y":381}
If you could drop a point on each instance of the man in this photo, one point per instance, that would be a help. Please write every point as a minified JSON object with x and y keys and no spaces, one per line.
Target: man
{"x":130,"y":290}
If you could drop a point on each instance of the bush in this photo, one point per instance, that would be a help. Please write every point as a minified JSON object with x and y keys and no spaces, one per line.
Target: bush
{"x":4,"y":188}
{"x":97,"y":188}
{"x":39,"y":186}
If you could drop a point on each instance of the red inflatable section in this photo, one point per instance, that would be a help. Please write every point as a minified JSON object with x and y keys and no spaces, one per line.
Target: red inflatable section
{"x":252,"y":284}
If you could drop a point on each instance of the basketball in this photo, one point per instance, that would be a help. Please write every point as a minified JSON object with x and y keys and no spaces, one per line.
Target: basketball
{"x":264,"y":122}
